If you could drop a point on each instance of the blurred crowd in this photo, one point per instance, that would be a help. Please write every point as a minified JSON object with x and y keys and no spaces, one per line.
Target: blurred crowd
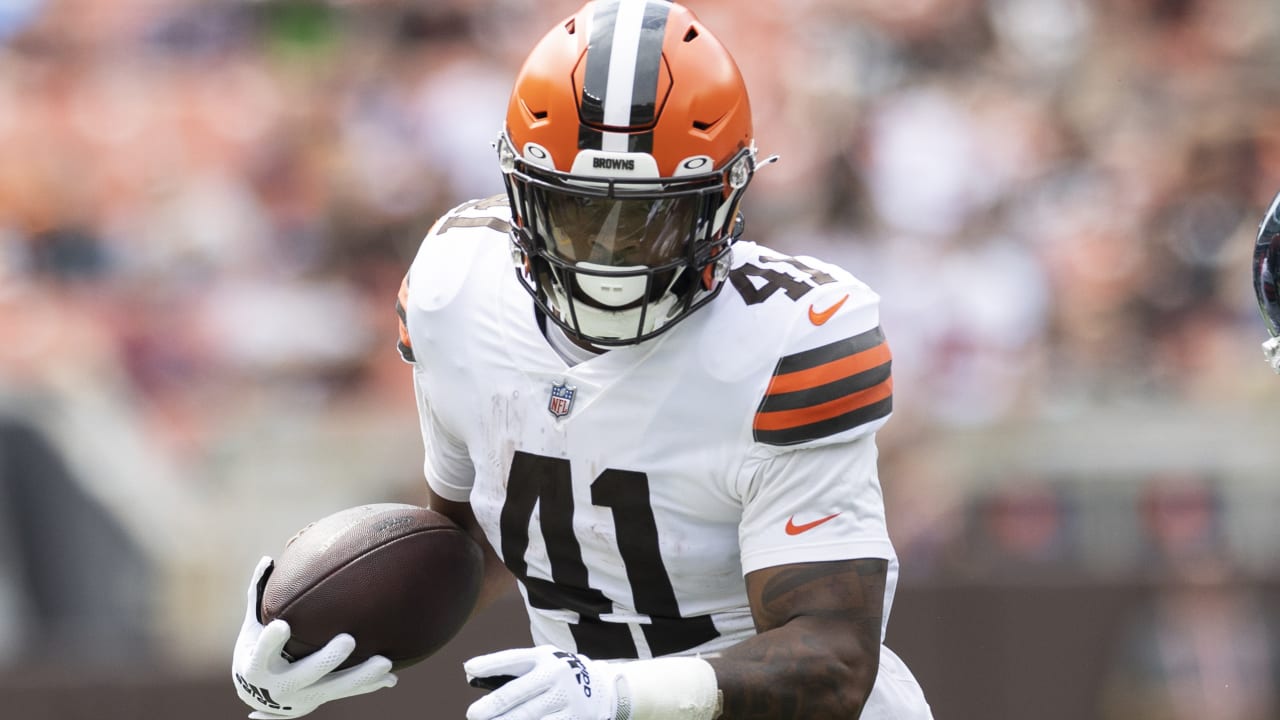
{"x":206,"y":207}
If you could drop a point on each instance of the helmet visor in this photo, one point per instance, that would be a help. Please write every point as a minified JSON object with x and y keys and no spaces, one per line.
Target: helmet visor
{"x":619,"y":232}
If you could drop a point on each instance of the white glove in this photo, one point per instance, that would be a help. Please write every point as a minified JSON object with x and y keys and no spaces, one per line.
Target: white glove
{"x":546,"y":683}
{"x":1271,"y":350}
{"x":276,"y":688}
{"x":549,"y":684}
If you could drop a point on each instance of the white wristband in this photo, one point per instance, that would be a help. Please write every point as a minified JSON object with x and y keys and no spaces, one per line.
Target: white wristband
{"x":667,"y":689}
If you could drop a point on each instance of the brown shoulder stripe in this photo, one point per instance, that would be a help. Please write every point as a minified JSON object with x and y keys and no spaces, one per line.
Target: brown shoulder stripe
{"x":826,"y":390}
{"x":405,"y":345}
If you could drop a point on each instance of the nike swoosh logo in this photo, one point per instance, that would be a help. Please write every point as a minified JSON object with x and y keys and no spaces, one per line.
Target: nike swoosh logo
{"x":818,"y":317}
{"x":794,"y":529}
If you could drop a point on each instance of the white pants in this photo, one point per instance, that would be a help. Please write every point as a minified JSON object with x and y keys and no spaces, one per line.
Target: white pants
{"x":896,"y":694}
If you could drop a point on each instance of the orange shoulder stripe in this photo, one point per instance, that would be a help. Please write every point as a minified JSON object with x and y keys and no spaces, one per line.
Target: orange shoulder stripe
{"x":789,"y":419}
{"x":829,"y":372}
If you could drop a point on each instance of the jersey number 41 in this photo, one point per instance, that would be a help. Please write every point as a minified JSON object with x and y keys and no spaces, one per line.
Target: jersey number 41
{"x":547,"y":482}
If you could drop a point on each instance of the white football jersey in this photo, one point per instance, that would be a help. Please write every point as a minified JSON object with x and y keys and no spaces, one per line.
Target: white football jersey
{"x":631,"y":493}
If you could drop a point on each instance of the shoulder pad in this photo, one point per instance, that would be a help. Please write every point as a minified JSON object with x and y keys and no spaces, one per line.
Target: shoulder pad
{"x":452,"y":245}
{"x":445,"y":258}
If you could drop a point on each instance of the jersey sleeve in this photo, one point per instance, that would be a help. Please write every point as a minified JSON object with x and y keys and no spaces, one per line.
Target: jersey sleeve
{"x":813,"y":505}
{"x":425,"y":303}
{"x":446,"y":464}
{"x":833,"y":380}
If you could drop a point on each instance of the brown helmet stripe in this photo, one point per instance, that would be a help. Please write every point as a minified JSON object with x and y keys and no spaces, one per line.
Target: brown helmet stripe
{"x":599,"y":52}
{"x":595,"y":81}
{"x":644,"y":90}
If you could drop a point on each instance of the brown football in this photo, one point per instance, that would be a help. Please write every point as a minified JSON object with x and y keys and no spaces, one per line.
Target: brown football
{"x":400,"y":579}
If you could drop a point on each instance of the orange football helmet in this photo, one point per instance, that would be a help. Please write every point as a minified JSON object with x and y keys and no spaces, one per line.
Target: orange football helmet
{"x":627,"y":147}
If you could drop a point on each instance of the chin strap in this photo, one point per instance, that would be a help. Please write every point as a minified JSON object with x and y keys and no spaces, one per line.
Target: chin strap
{"x":1271,"y":350}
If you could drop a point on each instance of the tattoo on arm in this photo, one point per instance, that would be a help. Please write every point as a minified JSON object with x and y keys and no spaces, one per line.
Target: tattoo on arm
{"x":818,"y":645}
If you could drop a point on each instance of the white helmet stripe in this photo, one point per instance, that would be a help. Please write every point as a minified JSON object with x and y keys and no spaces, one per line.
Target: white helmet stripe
{"x":623,"y":65}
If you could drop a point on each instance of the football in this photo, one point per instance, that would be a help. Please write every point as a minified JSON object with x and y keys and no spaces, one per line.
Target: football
{"x":400,"y":579}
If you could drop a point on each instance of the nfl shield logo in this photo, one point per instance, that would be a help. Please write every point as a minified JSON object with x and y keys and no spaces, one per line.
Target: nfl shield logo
{"x":561,"y":399}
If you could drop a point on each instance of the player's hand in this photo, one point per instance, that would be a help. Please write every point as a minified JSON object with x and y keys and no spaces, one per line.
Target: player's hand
{"x":276,"y":688}
{"x":547,"y":683}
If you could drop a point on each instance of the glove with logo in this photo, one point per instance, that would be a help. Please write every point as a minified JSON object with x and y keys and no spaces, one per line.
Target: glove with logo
{"x":547,"y":683}
{"x":276,"y":688}
{"x":543,"y":683}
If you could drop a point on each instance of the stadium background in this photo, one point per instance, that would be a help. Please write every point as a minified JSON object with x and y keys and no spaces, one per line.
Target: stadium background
{"x":206,"y":208}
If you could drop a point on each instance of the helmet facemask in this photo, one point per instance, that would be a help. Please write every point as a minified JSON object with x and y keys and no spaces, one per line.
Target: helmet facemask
{"x":1266,"y":280}
{"x":617,"y":261}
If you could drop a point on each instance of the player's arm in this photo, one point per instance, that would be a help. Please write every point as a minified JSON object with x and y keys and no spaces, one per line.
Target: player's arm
{"x":816,"y":656}
{"x":446,"y":456}
{"x":497,"y":578}
{"x":818,"y":644}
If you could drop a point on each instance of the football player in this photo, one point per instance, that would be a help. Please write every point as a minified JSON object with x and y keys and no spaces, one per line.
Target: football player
{"x":665,"y":432}
{"x":1266,"y":280}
